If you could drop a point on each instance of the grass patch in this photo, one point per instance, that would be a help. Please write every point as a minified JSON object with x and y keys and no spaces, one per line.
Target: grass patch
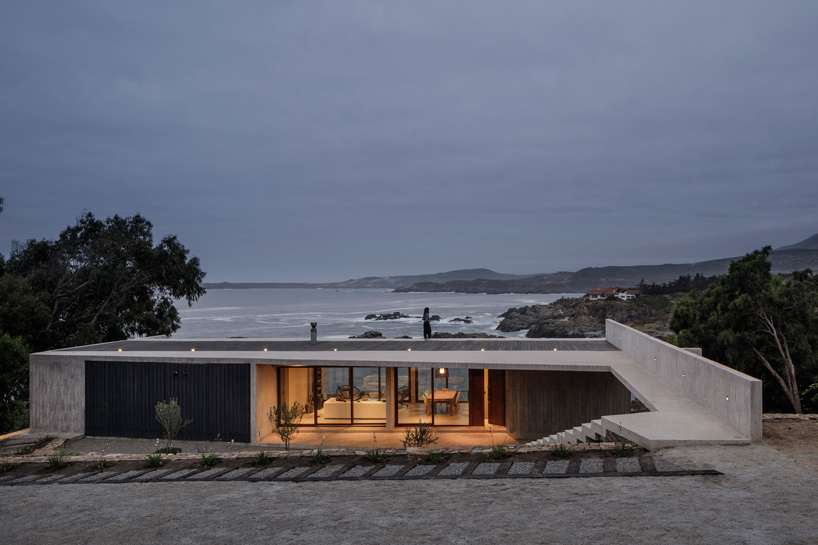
{"x":437,"y":457}
{"x":6,"y":464}
{"x":262,"y":459}
{"x":561,"y":450}
{"x":168,"y":450}
{"x":154,"y":460}
{"x":497,"y":452}
{"x":41,"y":442}
{"x":58,"y":460}
{"x":209,"y":459}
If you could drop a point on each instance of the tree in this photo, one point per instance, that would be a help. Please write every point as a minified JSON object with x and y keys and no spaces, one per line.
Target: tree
{"x":757,"y":323}
{"x":286,"y":419}
{"x":169,"y":415}
{"x":13,"y":383}
{"x":105,"y":280}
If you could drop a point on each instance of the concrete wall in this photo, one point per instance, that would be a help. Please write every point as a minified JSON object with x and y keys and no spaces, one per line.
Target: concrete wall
{"x":732,"y":396}
{"x":266,"y":397}
{"x":547,"y":402}
{"x":57,"y":394}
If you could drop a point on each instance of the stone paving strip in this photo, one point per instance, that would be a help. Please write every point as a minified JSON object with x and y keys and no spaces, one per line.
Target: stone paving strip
{"x":508,"y":469}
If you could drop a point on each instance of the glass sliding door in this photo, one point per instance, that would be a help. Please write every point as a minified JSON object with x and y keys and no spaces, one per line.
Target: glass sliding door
{"x":436,"y":396}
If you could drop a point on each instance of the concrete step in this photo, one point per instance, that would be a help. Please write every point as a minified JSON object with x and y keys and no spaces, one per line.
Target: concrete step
{"x":596,"y":425}
{"x":579,"y":435}
{"x":589,"y":432}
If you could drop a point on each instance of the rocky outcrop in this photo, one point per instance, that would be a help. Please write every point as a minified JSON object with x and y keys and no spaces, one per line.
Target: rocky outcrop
{"x":369,"y":335}
{"x":386,"y":316}
{"x":466,"y":320}
{"x":461,"y":335}
{"x":574,"y":318}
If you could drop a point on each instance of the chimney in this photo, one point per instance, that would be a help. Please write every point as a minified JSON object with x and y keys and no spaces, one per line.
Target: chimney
{"x":314,"y":333}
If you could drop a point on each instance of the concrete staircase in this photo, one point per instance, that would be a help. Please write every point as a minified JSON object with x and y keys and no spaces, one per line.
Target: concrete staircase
{"x":585,"y":433}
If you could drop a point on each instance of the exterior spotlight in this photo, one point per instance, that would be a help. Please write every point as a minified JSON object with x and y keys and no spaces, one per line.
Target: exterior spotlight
{"x":482,"y":350}
{"x":727,"y":398}
{"x":193,"y":350}
{"x":683,"y":375}
{"x":265,"y":349}
{"x":408,"y":349}
{"x":335,"y":350}
{"x":119,"y":349}
{"x":555,"y":349}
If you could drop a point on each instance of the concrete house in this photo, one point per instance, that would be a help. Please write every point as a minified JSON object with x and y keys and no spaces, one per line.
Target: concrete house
{"x":553,"y":389}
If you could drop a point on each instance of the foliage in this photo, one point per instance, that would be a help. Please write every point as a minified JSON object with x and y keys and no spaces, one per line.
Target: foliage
{"x":811,"y":396}
{"x":561,"y":450}
{"x":41,"y":442}
{"x":757,"y":323}
{"x":154,"y":460}
{"x":437,"y":456}
{"x":320,"y":457}
{"x":419,"y":436}
{"x":638,"y":407}
{"x":261,"y":459}
{"x":6,"y":463}
{"x":683,"y":284}
{"x":169,"y":415}
{"x":622,"y":447}
{"x":497,"y":452}
{"x":286,"y":420}
{"x":13,"y":383}
{"x":105,"y":281}
{"x":102,"y":463}
{"x":209,"y":459}
{"x":375,"y":454}
{"x":58,"y":459}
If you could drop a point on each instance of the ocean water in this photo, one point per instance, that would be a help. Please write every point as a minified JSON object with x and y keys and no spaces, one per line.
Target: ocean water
{"x":287,"y":313}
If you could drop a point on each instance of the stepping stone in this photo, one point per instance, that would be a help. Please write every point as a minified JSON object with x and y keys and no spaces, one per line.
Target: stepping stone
{"x":486,"y":468}
{"x":418,"y":471}
{"x":25,"y":479}
{"x":591,"y":466}
{"x":663,"y":465}
{"x":97,"y":477}
{"x":52,"y":478}
{"x":151,"y":475}
{"x":124,"y":476}
{"x":177,"y":475}
{"x":521,"y":468}
{"x":323,"y":472}
{"x":628,"y":465}
{"x":236,"y":473}
{"x":267,"y":472}
{"x":76,"y":477}
{"x":388,"y":471}
{"x":208,"y":473}
{"x":556,"y":466}
{"x":454,"y":469}
{"x":357,"y":471}
{"x":292,"y":473}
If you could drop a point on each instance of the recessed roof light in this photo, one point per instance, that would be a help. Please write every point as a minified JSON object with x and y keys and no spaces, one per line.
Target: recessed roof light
{"x":193,"y":350}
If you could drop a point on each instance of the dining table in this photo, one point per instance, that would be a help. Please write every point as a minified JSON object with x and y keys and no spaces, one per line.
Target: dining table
{"x":447,"y":397}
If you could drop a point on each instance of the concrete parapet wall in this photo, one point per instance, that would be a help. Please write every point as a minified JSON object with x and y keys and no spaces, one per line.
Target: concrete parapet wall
{"x":732,"y":396}
{"x":57,"y":396}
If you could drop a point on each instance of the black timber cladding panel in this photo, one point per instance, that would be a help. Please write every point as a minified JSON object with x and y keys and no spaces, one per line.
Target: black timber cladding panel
{"x":120,"y":398}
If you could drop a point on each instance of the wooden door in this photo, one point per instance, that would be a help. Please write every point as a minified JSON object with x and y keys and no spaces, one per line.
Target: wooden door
{"x":477,"y":389}
{"x":497,"y":397}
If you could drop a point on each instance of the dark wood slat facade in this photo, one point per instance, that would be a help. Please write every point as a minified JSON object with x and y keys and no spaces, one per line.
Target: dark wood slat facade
{"x":121,"y":396}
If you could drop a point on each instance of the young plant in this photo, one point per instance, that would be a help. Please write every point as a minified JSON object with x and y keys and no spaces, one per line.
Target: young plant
{"x":261,"y":459}
{"x":622,"y":447}
{"x":320,"y":457}
{"x":375,"y":454}
{"x":286,"y":419}
{"x":497,"y":451}
{"x":102,"y":462}
{"x":155,"y":460}
{"x":209,"y":459}
{"x":6,"y":463}
{"x":437,"y":456}
{"x":419,"y":436}
{"x":57,"y":460}
{"x":561,"y":450}
{"x":169,"y":415}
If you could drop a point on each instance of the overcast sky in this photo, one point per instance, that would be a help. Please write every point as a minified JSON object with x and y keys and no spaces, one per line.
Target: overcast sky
{"x":320,"y":141}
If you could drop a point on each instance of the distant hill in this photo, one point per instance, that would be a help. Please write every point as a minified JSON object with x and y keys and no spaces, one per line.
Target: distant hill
{"x":808,"y":244}
{"x":786,"y":259}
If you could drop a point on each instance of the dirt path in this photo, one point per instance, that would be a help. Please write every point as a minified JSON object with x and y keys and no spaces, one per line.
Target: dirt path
{"x":764,"y":497}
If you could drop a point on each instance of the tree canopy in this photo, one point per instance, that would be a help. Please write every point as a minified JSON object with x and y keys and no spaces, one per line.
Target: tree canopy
{"x":99,"y":281}
{"x":758,"y":323}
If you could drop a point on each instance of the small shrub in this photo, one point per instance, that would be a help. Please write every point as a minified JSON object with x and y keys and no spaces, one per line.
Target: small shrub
{"x":169,"y":415}
{"x":286,"y":419}
{"x":6,"y":464}
{"x":497,"y":452}
{"x":437,"y":457}
{"x":561,"y":450}
{"x":102,"y":463}
{"x":155,"y":460}
{"x":57,"y":460}
{"x":209,"y":459}
{"x":623,"y":449}
{"x":375,"y":454}
{"x":168,"y":450}
{"x":320,"y":457}
{"x":261,"y":459}
{"x":419,"y":436}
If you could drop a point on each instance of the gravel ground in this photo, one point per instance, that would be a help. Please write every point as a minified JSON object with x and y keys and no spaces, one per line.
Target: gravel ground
{"x":765,"y":497}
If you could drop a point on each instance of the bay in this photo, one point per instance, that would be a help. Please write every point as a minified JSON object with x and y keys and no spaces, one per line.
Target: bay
{"x":287,"y":313}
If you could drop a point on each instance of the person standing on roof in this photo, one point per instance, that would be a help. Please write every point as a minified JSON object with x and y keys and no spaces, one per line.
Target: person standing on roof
{"x":427,"y":326}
